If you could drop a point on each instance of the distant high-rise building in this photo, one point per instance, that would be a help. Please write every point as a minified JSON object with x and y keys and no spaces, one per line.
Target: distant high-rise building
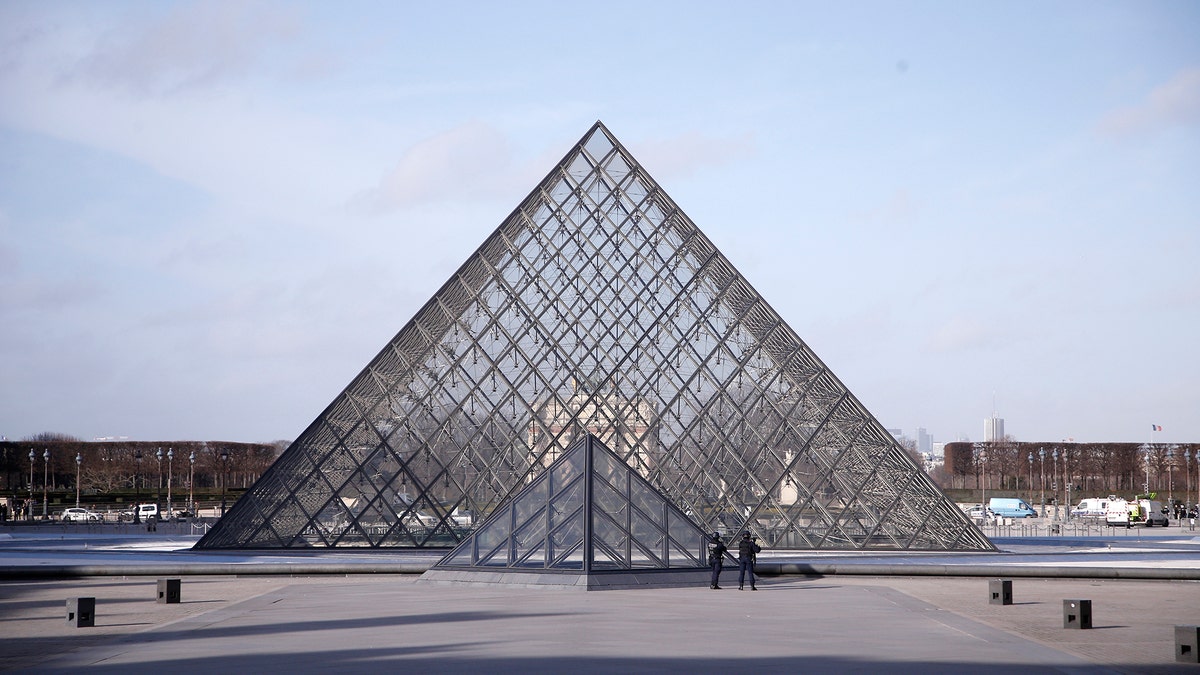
{"x":993,"y":429}
{"x":924,"y":441}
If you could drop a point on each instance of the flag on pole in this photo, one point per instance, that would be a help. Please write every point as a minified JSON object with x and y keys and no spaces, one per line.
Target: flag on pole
{"x":1155,"y":427}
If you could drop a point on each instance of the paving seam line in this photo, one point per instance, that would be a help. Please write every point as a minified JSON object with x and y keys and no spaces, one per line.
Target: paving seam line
{"x":93,"y":656}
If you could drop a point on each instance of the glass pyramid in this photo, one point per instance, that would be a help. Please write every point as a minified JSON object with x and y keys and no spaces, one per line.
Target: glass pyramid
{"x":596,"y":307}
{"x":589,"y":511}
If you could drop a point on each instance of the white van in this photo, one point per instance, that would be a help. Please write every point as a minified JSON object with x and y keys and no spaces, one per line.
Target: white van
{"x":144,"y":513}
{"x":1135,"y":512}
{"x":1008,"y":507}
{"x":1093,"y":507}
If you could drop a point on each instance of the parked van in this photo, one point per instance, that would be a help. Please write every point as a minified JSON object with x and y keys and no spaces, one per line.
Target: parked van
{"x":1093,"y":507}
{"x":145,"y":512}
{"x":1135,"y":512}
{"x":1007,"y":507}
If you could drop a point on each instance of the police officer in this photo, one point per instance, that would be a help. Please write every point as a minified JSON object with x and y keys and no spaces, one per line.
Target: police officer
{"x":716,"y":554}
{"x":747,"y":550}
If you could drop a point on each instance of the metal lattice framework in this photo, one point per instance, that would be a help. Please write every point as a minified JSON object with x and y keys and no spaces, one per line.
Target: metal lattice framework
{"x":596,"y":307}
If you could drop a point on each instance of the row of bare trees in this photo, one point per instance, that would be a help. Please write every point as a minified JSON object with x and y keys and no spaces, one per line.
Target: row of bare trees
{"x":121,"y":466}
{"x":1091,"y":469}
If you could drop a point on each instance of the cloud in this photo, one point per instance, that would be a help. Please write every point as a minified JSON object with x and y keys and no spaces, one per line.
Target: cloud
{"x":1174,"y":103}
{"x":460,"y":161}
{"x":192,"y":45}
{"x":899,"y":207}
{"x":684,"y":154}
{"x":959,"y":333}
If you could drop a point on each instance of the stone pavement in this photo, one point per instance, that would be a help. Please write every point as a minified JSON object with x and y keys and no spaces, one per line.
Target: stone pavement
{"x":367,"y":623}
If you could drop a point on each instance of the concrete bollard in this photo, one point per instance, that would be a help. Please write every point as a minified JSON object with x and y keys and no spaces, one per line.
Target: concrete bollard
{"x":1000,"y":591}
{"x":81,"y":612}
{"x":168,"y":591}
{"x":1187,"y":644}
{"x":1077,"y":613}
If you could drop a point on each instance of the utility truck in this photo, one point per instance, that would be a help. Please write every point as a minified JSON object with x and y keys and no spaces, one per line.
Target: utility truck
{"x":1126,"y":513}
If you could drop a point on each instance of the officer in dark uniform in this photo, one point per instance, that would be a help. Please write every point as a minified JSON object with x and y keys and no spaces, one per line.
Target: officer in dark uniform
{"x":747,"y":550}
{"x":716,"y":554}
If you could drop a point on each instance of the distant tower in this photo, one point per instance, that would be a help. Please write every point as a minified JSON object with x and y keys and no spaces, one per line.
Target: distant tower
{"x":924,"y":441}
{"x":993,"y":429}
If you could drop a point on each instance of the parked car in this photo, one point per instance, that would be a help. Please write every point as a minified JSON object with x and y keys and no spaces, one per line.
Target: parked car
{"x":81,"y":515}
{"x":978,"y":512}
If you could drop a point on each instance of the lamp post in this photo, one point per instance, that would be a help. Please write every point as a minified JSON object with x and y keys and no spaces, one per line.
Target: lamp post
{"x":1171,"y":476}
{"x":45,"y":479}
{"x":191,"y":478}
{"x":78,"y":465}
{"x":137,"y":489}
{"x":1067,"y":480}
{"x":29,"y":507}
{"x":1042,"y":464}
{"x":1146,"y":485}
{"x":1196,"y":456}
{"x":1030,"y":475}
{"x":170,"y":473}
{"x":158,"y":454}
{"x":224,"y":477}
{"x":983,"y":494}
{"x":1055,"y":484}
{"x":1187,"y":480}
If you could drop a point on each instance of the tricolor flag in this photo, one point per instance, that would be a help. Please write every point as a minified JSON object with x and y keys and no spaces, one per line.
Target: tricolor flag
{"x":1155,"y":427}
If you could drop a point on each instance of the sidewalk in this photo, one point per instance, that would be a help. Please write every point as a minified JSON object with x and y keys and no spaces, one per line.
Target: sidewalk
{"x":852,"y":624}
{"x":355,"y":617}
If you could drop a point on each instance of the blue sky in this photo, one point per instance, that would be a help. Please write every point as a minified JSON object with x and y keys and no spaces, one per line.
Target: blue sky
{"x":214,"y":214}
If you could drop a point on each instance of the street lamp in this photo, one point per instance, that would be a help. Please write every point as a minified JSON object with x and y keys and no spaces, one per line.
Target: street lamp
{"x":29,"y":507}
{"x":158,"y":454}
{"x":78,"y":465}
{"x":170,"y":473}
{"x":191,"y":478}
{"x":1055,"y":484}
{"x":224,"y":477}
{"x":1030,"y":475}
{"x":45,"y":479}
{"x":1187,"y":479}
{"x":1042,"y":463}
{"x":1067,"y":480}
{"x":983,"y":494}
{"x":1171,"y":476}
{"x":137,"y":489}
{"x":1146,"y":485}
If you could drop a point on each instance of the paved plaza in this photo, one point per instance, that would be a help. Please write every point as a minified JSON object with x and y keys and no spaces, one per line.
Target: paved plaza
{"x":367,"y":622}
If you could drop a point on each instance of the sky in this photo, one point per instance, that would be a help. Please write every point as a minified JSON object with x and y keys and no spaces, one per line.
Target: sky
{"x":214,"y":214}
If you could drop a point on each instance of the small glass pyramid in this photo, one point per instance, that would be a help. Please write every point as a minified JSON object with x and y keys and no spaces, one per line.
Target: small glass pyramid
{"x":588,"y":514}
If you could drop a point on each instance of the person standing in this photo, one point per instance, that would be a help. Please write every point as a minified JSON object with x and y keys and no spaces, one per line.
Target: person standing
{"x":747,"y":550}
{"x":716,"y":555}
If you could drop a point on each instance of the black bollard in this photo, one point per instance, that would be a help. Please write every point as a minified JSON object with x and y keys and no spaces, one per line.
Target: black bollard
{"x":1077,"y":613}
{"x":168,"y":591}
{"x":1000,"y":591}
{"x":81,"y":612}
{"x":1187,"y":644}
